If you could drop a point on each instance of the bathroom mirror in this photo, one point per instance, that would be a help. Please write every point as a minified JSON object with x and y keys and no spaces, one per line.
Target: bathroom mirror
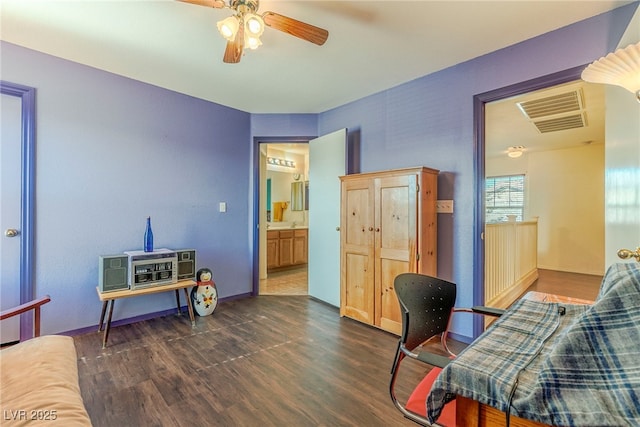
{"x":306,"y":195}
{"x":297,"y":196}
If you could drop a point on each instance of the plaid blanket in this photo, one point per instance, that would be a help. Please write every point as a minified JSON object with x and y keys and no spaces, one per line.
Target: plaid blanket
{"x":580,"y":368}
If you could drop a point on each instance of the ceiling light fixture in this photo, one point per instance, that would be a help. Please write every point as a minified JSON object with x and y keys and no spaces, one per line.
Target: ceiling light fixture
{"x":515,"y":151}
{"x":254,"y":27}
{"x":228,"y":27}
{"x":621,"y":68}
{"x":281,"y":162}
{"x":252,"y":42}
{"x":244,"y":28}
{"x":254,"y":24}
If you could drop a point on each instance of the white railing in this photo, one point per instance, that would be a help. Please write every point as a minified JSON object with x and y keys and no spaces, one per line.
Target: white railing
{"x":511,"y":261}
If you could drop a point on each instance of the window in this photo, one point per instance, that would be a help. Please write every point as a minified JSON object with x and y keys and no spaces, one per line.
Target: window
{"x":504,"y":195}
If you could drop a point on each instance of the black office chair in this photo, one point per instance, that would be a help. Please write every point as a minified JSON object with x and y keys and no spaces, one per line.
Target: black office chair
{"x":426,"y":305}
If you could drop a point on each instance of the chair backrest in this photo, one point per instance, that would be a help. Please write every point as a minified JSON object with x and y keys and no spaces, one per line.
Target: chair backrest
{"x":426,"y":303}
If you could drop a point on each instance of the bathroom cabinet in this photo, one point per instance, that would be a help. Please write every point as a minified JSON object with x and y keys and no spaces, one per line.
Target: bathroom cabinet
{"x":286,"y":248}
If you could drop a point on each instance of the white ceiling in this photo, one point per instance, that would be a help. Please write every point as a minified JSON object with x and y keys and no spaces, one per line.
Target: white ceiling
{"x":372,"y":45}
{"x":506,"y":125}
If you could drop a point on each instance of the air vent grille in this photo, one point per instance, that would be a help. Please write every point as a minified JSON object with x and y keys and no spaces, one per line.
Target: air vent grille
{"x":549,"y":106}
{"x":561,"y":123}
{"x":557,"y":112}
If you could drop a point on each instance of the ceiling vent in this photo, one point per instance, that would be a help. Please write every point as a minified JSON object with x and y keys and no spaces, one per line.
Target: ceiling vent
{"x":555,"y":113}
{"x":561,"y":123}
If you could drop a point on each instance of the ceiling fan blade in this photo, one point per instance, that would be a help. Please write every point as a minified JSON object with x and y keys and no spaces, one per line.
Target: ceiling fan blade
{"x":296,"y":28}
{"x":233,"y":52}
{"x":217,"y":4}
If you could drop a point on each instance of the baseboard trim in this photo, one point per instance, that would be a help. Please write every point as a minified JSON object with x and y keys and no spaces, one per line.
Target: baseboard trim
{"x":506,"y":298}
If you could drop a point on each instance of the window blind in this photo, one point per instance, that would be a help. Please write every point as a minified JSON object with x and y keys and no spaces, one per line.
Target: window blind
{"x":504,"y":195}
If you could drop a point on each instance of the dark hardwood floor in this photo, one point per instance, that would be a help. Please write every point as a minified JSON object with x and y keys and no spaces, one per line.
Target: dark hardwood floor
{"x":262,"y":361}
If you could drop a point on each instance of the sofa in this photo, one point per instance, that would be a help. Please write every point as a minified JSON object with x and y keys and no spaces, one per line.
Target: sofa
{"x":39,"y":378}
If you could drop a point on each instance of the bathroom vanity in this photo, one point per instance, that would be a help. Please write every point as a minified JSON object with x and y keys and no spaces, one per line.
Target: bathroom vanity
{"x":286,"y":247}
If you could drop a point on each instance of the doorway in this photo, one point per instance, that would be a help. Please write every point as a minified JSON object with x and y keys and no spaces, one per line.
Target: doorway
{"x":20,"y":225}
{"x":480,"y":105}
{"x":283,"y":204}
{"x":327,"y":161}
{"x":544,"y":165}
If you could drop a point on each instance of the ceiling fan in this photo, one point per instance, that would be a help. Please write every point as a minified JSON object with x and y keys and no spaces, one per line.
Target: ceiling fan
{"x":244,"y":28}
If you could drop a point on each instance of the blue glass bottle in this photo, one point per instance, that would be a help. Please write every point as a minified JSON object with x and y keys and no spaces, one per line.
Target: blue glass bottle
{"x":148,"y":237}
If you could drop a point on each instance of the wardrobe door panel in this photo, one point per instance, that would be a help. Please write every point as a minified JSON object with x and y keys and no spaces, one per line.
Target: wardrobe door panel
{"x":387,"y":307}
{"x":358,"y":298}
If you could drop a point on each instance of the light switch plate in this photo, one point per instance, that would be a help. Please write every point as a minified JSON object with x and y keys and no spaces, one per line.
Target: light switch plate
{"x":223,"y":206}
{"x":444,"y":206}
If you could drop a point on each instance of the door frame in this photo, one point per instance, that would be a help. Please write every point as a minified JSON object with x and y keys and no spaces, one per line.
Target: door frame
{"x":479,"y":102}
{"x":27,"y":192}
{"x":257,"y":140}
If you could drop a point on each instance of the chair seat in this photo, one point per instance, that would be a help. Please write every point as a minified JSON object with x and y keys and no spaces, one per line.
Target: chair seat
{"x":417,"y":402}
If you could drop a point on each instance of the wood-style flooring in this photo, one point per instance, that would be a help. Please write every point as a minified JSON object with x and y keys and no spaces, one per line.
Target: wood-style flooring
{"x":583,"y":286}
{"x":261,"y":361}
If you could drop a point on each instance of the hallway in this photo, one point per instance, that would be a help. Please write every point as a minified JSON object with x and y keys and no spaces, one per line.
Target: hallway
{"x":575,"y":285}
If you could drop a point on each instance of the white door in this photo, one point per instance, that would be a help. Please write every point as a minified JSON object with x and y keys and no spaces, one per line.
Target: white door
{"x":327,"y":162}
{"x":10,"y":190}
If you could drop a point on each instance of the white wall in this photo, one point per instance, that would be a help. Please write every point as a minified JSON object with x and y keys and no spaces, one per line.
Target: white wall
{"x":622,"y":162}
{"x":565,"y":189}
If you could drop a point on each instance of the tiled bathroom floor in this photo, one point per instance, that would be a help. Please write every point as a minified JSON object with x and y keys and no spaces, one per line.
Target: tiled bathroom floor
{"x":286,"y":282}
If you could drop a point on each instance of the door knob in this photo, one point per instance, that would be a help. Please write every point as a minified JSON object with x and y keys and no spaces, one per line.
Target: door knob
{"x":627,"y":253}
{"x":11,"y":232}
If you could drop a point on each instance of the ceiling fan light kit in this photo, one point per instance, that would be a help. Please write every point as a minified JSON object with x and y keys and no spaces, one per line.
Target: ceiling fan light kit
{"x":254,"y":24}
{"x":244,"y":28}
{"x":228,"y":27}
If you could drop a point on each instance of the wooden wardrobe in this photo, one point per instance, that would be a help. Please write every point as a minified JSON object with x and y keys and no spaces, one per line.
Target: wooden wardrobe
{"x":388,"y":226}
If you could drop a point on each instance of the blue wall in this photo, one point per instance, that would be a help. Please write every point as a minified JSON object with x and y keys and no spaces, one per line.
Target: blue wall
{"x":111,"y":151}
{"x":429,"y":121}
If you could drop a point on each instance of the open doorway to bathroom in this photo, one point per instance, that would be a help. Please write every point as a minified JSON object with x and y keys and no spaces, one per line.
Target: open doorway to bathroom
{"x":284,"y":208}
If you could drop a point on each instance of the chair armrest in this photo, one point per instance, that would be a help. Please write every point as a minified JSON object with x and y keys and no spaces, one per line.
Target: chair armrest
{"x":433,"y":359}
{"x":23,"y":308}
{"x":489,"y":311}
{"x":478,"y":309}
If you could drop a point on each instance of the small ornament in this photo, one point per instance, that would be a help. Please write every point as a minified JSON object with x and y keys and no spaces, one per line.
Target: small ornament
{"x":204,"y":295}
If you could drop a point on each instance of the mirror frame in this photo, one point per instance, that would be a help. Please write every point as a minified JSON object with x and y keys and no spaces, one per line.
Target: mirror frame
{"x":297,"y":196}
